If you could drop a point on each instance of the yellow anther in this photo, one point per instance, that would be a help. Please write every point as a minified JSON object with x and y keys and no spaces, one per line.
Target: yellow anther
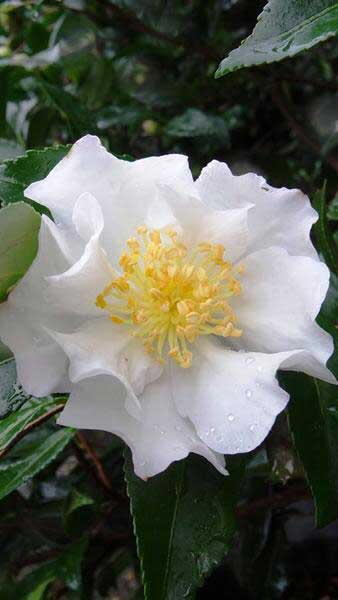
{"x":133,"y":244}
{"x":193,"y":317}
{"x":182,"y":307}
{"x":156,"y":294}
{"x":155,"y":237}
{"x":116,"y":319}
{"x":169,"y":295}
{"x":172,"y":270}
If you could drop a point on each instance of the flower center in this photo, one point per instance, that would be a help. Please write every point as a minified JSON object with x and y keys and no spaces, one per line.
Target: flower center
{"x":169,"y":295}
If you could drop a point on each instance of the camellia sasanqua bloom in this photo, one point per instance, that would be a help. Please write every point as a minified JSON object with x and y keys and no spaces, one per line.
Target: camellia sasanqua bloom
{"x":165,"y":306}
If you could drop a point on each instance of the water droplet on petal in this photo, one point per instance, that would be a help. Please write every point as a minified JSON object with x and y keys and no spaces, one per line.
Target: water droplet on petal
{"x":178,"y":428}
{"x":252,"y":427}
{"x":249,"y":360}
{"x":219,"y":437}
{"x":248,"y":393}
{"x":260,"y":368}
{"x":212,"y":430}
{"x":231,"y":417}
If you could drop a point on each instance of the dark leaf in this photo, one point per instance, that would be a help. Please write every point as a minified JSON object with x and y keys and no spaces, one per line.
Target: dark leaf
{"x":184,"y":522}
{"x":284,"y":28}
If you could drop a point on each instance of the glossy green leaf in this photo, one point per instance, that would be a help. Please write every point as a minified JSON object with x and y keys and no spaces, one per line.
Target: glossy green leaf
{"x":196,"y":123}
{"x":9,"y":149}
{"x":17,"y":174}
{"x":78,"y":512}
{"x":332,"y":212}
{"x":66,"y":568}
{"x":284,"y":28}
{"x":78,"y":119}
{"x":19,"y":227}
{"x":315,"y":434}
{"x":14,"y":473}
{"x":11,"y":394}
{"x":77,"y":500}
{"x":184,"y":522}
{"x":322,"y":233}
{"x":12,"y":425}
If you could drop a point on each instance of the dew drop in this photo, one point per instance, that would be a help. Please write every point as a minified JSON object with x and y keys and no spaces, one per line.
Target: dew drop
{"x":252,"y":427}
{"x":248,"y":393}
{"x":258,"y":384}
{"x":219,"y":437}
{"x":231,"y":417}
{"x":212,"y":430}
{"x":178,"y":428}
{"x":249,"y":360}
{"x":259,"y":368}
{"x":143,"y":463}
{"x":162,"y":431}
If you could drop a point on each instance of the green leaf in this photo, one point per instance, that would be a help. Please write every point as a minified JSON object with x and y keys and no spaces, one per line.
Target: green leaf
{"x":79,"y":120}
{"x":13,"y":474}
{"x":332,"y":212}
{"x":284,"y":28}
{"x":18,"y":420}
{"x":9,"y":149}
{"x":11,"y":394}
{"x":17,"y":174}
{"x":315,"y":434}
{"x":19,"y":227}
{"x":77,"y":500}
{"x":184,"y":522}
{"x":196,"y":123}
{"x":67,"y":568}
{"x":321,"y":231}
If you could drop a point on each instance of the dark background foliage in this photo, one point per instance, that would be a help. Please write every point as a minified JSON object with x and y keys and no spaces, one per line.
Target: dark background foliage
{"x":140,"y":74}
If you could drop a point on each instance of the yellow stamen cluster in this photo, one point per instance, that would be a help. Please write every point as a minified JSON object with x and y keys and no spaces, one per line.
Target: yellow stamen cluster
{"x":169,"y":295}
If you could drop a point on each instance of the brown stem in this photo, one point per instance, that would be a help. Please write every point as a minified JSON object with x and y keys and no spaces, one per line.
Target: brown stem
{"x":91,"y":457}
{"x":316,"y":83}
{"x":278,"y":98}
{"x":29,"y":427}
{"x":277,"y":500}
{"x":132,"y":21}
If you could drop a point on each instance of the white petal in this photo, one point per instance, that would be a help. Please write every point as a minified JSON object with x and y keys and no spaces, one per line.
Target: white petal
{"x":280,"y":300}
{"x":100,"y":347}
{"x":88,"y":167}
{"x":124,"y":190}
{"x":281,"y":217}
{"x":231,"y":397}
{"x":199,"y":223}
{"x":42,"y":367}
{"x":87,"y":217}
{"x":41,"y":364}
{"x":76,"y":289}
{"x":159,"y":439}
{"x":52,"y":257}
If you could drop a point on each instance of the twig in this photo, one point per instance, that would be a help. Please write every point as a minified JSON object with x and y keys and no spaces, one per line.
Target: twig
{"x":316,"y":83}
{"x":278,"y":500}
{"x":136,"y":24}
{"x":29,"y":427}
{"x":91,"y":457}
{"x":277,"y":97}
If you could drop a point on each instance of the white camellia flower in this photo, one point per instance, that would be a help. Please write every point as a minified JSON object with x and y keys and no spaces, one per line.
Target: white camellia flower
{"x":165,"y":306}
